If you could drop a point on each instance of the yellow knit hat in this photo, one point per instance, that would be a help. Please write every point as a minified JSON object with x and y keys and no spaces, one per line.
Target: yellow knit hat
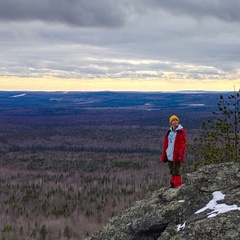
{"x":173,"y":117}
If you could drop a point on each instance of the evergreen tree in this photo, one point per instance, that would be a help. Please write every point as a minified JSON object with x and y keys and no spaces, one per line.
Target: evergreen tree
{"x":43,"y":232}
{"x":67,"y":232}
{"x":218,"y":140}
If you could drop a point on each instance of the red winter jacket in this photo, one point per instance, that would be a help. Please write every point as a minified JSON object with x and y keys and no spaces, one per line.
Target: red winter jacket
{"x":179,"y":146}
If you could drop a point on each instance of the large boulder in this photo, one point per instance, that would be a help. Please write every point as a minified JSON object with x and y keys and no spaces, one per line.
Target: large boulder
{"x":206,"y":206}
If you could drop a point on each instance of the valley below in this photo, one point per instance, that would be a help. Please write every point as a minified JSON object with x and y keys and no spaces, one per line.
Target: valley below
{"x":70,"y":161}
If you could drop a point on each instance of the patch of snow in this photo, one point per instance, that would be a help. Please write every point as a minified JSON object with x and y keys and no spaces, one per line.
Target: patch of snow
{"x":181,"y":226}
{"x":193,"y":104}
{"x":217,"y":208}
{"x":196,"y":105}
{"x":55,"y":99}
{"x":181,"y":201}
{"x":20,"y":95}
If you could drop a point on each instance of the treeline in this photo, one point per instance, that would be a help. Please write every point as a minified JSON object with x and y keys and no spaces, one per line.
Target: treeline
{"x":16,"y":148}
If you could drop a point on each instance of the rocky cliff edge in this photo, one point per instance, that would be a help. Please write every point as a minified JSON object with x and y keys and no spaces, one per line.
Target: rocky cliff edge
{"x":206,"y":206}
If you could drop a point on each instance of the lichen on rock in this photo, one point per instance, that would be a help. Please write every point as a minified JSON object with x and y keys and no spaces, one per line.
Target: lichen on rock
{"x":172,"y":214}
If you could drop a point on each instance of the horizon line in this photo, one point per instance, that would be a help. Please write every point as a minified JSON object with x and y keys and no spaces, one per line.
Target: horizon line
{"x":125,"y":91}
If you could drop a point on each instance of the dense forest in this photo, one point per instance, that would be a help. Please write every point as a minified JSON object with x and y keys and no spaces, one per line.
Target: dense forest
{"x":69,"y":164}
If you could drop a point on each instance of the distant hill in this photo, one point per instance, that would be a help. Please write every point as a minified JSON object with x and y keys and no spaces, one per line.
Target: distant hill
{"x":186,"y":101}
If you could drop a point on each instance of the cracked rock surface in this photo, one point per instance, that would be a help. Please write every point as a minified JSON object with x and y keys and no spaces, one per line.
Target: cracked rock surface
{"x":174,"y":213}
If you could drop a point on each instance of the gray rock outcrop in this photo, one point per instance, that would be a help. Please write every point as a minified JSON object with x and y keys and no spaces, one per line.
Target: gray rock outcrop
{"x":206,"y":206}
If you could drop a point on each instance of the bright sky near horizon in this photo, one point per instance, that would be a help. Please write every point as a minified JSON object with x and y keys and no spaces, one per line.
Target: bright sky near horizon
{"x":137,"y":45}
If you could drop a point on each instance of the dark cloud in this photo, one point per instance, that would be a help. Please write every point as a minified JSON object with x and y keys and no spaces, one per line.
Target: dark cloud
{"x":224,"y":10}
{"x":82,"y":13}
{"x":120,"y":38}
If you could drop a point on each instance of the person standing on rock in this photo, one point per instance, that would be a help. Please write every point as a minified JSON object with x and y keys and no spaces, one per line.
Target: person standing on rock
{"x":173,"y":152}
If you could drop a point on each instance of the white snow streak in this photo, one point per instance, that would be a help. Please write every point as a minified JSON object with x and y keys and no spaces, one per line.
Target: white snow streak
{"x":20,"y":95}
{"x":217,"y":208}
{"x":213,"y":205}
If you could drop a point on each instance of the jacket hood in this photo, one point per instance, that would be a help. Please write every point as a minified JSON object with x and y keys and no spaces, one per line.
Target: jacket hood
{"x":178,"y":128}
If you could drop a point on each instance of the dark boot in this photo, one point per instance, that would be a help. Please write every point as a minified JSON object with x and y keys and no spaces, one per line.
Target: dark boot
{"x":172,"y":182}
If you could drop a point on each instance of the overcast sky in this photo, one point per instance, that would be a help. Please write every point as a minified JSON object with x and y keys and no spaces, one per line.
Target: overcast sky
{"x":120,"y":40}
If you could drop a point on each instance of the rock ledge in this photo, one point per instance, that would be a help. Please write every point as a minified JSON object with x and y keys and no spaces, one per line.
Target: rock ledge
{"x":206,"y":206}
